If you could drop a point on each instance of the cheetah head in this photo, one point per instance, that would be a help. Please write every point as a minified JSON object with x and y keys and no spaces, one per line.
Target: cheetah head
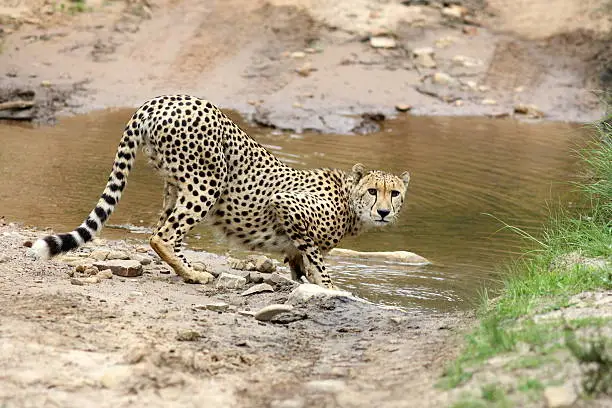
{"x":376,"y":196}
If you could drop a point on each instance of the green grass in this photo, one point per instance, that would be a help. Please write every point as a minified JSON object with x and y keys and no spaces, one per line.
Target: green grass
{"x":568,"y":258}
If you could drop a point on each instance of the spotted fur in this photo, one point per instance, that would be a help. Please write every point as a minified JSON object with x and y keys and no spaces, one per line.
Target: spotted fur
{"x":214,"y":171}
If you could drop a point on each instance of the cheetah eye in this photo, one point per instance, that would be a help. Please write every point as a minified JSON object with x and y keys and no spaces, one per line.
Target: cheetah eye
{"x":395,"y":193}
{"x":372,"y":191}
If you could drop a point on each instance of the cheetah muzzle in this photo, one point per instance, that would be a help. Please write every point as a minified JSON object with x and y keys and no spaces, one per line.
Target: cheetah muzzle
{"x":214,"y":172}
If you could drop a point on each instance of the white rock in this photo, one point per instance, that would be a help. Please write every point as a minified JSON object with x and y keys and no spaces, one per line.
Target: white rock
{"x":560,"y":396}
{"x":298,"y":54}
{"x":230,"y":281}
{"x":99,"y":254}
{"x":269,"y":312}
{"x":424,"y":57}
{"x":489,"y":102}
{"x":442,"y":78}
{"x":118,"y":255}
{"x":383,"y":42}
{"x":396,"y":256}
{"x":306,"y":291}
{"x":105,"y":274}
{"x":454,"y":11}
{"x":464,"y":61}
{"x":325,"y":386}
{"x":262,"y":287}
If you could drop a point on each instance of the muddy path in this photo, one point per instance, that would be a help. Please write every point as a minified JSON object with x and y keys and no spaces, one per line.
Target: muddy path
{"x":313,"y":65}
{"x":70,"y":339}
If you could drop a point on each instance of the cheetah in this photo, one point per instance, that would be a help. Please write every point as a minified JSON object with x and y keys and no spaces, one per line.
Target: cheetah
{"x":214,"y":172}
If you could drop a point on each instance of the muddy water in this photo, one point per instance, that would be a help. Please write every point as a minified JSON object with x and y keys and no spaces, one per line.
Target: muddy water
{"x":462,"y":169}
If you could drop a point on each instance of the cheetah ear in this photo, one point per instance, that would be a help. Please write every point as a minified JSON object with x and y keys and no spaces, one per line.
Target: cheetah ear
{"x":356,"y":173}
{"x":405,"y":176}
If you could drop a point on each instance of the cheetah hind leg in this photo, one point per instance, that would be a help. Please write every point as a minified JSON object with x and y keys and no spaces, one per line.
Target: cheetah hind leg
{"x":296,"y":265}
{"x":167,"y":237}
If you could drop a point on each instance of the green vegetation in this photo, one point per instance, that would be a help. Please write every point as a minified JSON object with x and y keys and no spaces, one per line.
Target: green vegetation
{"x":573,"y":255}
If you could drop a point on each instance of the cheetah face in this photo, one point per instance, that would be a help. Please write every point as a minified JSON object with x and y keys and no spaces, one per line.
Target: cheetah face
{"x":376,"y":196}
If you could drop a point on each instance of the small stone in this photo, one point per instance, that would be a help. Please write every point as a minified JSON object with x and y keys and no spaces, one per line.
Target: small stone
{"x":298,"y":54}
{"x":454,"y":11}
{"x":325,"y":386}
{"x":445,"y":41}
{"x":530,"y":110}
{"x":243,"y":274}
{"x":105,"y":274}
{"x":267,"y":313}
{"x":115,"y":376}
{"x":560,"y":396}
{"x":213,"y":306}
{"x":262,"y":287}
{"x":403,"y":107}
{"x":255,"y":277}
{"x":143,"y":259}
{"x":424,"y":57}
{"x":263,"y":263}
{"x":305,"y":70}
{"x":483,"y":88}
{"x":188,"y":335}
{"x":306,"y":291}
{"x":91,"y":279}
{"x":230,"y":281}
{"x":278,"y":280}
{"x":91,"y":271}
{"x":297,"y":105}
{"x":99,"y":254}
{"x":442,"y":78}
{"x":464,"y":61}
{"x":469,"y":30}
{"x":76,"y":281}
{"x":125,"y":268}
{"x":489,"y":102}
{"x":45,"y":83}
{"x":383,"y":42}
{"x":118,"y":255}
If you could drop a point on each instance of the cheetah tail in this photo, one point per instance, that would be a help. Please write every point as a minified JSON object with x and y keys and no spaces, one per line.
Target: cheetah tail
{"x":52,"y":245}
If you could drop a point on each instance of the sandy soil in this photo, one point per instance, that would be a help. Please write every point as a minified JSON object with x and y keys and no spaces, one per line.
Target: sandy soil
{"x":149,"y":340}
{"x":309,"y":64}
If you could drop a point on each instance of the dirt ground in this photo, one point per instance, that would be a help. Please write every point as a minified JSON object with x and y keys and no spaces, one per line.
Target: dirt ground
{"x":289,"y":64}
{"x":312,"y":64}
{"x":151,"y":340}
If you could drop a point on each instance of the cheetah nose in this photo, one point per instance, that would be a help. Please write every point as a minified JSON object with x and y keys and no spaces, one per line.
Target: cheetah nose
{"x":383,"y":213}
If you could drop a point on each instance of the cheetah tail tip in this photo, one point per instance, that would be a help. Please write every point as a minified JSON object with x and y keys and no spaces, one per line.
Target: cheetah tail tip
{"x":40,"y":250}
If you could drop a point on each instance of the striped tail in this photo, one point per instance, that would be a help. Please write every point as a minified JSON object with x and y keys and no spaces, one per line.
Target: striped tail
{"x":52,"y":245}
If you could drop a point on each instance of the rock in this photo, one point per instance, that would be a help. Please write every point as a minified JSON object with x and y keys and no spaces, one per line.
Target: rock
{"x":262,"y":287}
{"x":469,"y":30}
{"x":489,"y":102}
{"x":305,"y":69}
{"x":115,"y":376}
{"x":99,"y":254}
{"x":560,"y":396}
{"x":288,"y":317}
{"x":424,"y":57}
{"x":230,"y":281}
{"x":306,"y":291}
{"x":255,"y":277}
{"x":278,"y":280}
{"x":118,"y":255}
{"x":267,"y":313}
{"x":242,"y":274}
{"x":188,"y":335}
{"x":445,"y":41}
{"x":75,"y":261}
{"x":383,"y":42}
{"x":442,"y":78}
{"x":125,"y":268}
{"x":403,"y":107}
{"x":46,"y":83}
{"x":214,"y":306}
{"x":463,"y":61}
{"x":325,"y":386}
{"x":396,"y":256}
{"x":91,"y":271}
{"x":91,"y":279}
{"x":76,"y":281}
{"x":454,"y":11}
{"x":143,"y":259}
{"x":530,"y":110}
{"x":298,"y":54}
{"x":105,"y":274}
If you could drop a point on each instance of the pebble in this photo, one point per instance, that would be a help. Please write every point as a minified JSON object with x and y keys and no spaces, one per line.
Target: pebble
{"x":325,"y":386}
{"x":530,"y":110}
{"x":305,"y":69}
{"x":298,"y":54}
{"x":464,"y":61}
{"x":403,"y":107}
{"x":99,"y":254}
{"x":277,"y":279}
{"x":560,"y":396}
{"x":489,"y":102}
{"x":126,"y":268}
{"x":76,"y":281}
{"x":143,"y":259}
{"x":230,"y":281}
{"x":442,"y":78}
{"x":454,"y":11}
{"x":262,"y":287}
{"x":424,"y":57}
{"x":105,"y":274}
{"x":45,"y":83}
{"x":383,"y":42}
{"x":214,"y":306}
{"x":118,"y":255}
{"x":269,"y":312}
{"x":255,"y":277}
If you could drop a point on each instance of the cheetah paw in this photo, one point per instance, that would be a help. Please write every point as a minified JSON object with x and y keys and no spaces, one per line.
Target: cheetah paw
{"x":198,"y":277}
